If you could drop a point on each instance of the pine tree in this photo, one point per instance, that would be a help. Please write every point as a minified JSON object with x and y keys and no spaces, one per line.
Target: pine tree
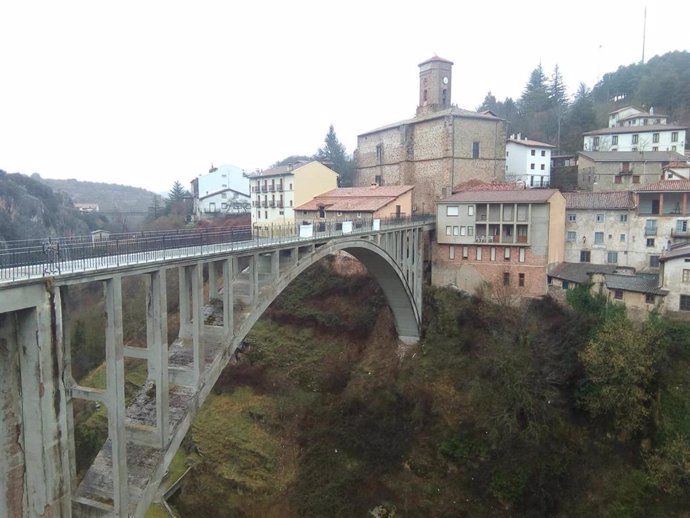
{"x":489,"y":103}
{"x":333,"y":155}
{"x":177,"y":193}
{"x":580,"y":118}
{"x":535,"y":97}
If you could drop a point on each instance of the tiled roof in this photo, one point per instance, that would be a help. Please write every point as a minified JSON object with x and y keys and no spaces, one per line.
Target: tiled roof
{"x":356,"y":199}
{"x":278,"y":170}
{"x":579,"y":272}
{"x":435,"y":58}
{"x":529,"y":143}
{"x":478,"y":185}
{"x":632,"y":156}
{"x":682,"y":250}
{"x":497,"y":196}
{"x":635,"y":129}
{"x":454,"y":111}
{"x":639,"y":282}
{"x":679,"y":185}
{"x":621,"y":200}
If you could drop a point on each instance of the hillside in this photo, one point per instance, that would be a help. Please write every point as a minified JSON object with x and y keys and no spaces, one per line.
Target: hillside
{"x":29,"y":209}
{"x":110,"y":197}
{"x":499,"y":412}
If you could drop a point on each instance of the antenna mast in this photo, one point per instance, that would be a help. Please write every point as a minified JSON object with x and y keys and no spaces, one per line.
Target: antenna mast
{"x":644,"y":33}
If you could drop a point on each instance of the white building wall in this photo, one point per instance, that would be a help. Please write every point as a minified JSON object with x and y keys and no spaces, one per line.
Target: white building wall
{"x":224,"y":177}
{"x":673,"y":281}
{"x":265,"y":202}
{"x":521,"y":165}
{"x":645,"y":141}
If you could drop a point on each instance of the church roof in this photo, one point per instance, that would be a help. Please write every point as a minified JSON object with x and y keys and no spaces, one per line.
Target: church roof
{"x":356,"y":199}
{"x":453,"y":111}
{"x":435,"y":58}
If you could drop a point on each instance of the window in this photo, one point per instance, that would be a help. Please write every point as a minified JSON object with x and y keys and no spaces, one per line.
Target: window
{"x":649,"y":298}
{"x":655,"y":138}
{"x":379,"y":151}
{"x":600,"y":218}
{"x":452,"y":210}
{"x":258,"y":214}
{"x":686,"y":276}
{"x":290,"y":203}
{"x":521,"y":255}
{"x":635,"y":139}
{"x":584,"y":256}
{"x":455,"y":231}
{"x":531,"y":166}
{"x":598,"y":238}
{"x":650,"y":242}
{"x":542,"y":167}
{"x":614,"y":140}
{"x":572,"y":217}
{"x":533,"y":152}
{"x":623,"y":218}
{"x":674,"y":136}
{"x":470,"y":230}
{"x":475,"y":149}
{"x":451,"y":252}
{"x":572,"y":236}
{"x":682,"y":226}
{"x":463,"y":230}
{"x":479,"y":253}
{"x":449,"y":230}
{"x":493,"y":253}
{"x":543,"y":153}
{"x":617,"y":179}
{"x":465,"y":252}
{"x":521,"y":279}
{"x":565,"y":285}
{"x":654,"y":261}
{"x":622,"y":238}
{"x":470,"y":210}
{"x":618,"y":294}
{"x":377,"y":180}
{"x":506,"y":278}
{"x":596,"y":142}
{"x":655,"y":148}
{"x":636,"y":178}
{"x":673,"y":148}
{"x":684,"y":303}
{"x":506,"y":254}
{"x":612,"y":258}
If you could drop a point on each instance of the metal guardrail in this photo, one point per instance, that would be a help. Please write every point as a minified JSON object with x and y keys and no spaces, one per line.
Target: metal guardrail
{"x":30,"y":259}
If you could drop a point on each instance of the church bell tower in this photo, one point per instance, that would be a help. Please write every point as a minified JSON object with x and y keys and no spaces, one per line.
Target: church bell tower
{"x":435,"y":81}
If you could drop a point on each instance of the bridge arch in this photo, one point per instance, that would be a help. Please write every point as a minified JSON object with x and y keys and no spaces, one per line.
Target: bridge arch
{"x":381,"y":266}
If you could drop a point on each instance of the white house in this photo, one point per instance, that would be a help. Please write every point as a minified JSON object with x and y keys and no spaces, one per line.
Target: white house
{"x":675,"y":277}
{"x":528,"y":161}
{"x":632,"y":129}
{"x":223,"y":189}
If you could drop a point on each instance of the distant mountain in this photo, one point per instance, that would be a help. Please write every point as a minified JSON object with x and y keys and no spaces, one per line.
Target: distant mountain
{"x":109,"y":197}
{"x":30,"y":209}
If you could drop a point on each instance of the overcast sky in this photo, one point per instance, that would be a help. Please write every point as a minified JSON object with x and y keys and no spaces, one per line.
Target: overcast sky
{"x":148,"y":92}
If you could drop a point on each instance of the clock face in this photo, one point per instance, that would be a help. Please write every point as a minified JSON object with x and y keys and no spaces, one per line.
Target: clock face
{"x":445,"y":80}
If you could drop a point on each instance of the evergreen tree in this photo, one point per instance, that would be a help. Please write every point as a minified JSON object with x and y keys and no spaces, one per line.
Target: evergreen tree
{"x":489,"y":103}
{"x":557,"y":92}
{"x":580,"y":118}
{"x":333,"y":155}
{"x":177,"y":193}
{"x":535,"y":97}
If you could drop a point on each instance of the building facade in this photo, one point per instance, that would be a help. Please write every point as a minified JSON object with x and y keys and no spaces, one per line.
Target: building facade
{"x":632,"y":129}
{"x":358,"y":204}
{"x":675,"y":277}
{"x":277,"y":191}
{"x":222,"y":190}
{"x":502,"y":236}
{"x":528,"y":162}
{"x":441,"y":147}
{"x":622,"y":170}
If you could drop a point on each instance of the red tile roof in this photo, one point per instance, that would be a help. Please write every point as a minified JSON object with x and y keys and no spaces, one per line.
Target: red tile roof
{"x":666,"y":186}
{"x":356,"y":199}
{"x":497,"y":196}
{"x":599,"y":200}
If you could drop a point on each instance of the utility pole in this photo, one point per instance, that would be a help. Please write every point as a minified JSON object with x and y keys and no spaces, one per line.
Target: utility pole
{"x":644,"y":33}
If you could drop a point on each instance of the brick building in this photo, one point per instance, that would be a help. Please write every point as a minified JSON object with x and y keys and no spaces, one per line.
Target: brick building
{"x":440,"y":147}
{"x":498,"y":234}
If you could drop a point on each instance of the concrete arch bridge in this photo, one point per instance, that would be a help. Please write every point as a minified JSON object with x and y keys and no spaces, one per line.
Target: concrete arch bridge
{"x":37,"y":391}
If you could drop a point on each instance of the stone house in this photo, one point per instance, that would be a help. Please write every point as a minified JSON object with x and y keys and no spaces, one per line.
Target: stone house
{"x":440,"y":147}
{"x":275,"y":192}
{"x":675,"y":277}
{"x":497,"y":234}
{"x":622,"y":170}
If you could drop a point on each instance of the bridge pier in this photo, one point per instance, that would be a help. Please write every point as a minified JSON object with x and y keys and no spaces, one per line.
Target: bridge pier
{"x":34,"y":433}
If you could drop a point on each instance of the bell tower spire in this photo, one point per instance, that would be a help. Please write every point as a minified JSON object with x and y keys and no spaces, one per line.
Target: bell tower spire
{"x":435,"y":81}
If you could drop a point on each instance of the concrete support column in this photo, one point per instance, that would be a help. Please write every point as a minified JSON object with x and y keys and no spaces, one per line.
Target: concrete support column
{"x":157,"y":344}
{"x":228,"y":297}
{"x":661,"y":203}
{"x":184,"y":303}
{"x":197,"y":282}
{"x":253,"y":278}
{"x":115,"y":393}
{"x":69,"y":381}
{"x":275,"y":265}
{"x":212,"y":286}
{"x":684,"y":209}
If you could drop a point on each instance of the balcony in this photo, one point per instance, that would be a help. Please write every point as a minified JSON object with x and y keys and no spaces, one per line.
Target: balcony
{"x":272,"y":204}
{"x":279,"y":187}
{"x":680,"y":233}
{"x":264,"y":188}
{"x":650,"y":231}
{"x":264,"y":204}
{"x":279,"y":204}
{"x":271,"y":188}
